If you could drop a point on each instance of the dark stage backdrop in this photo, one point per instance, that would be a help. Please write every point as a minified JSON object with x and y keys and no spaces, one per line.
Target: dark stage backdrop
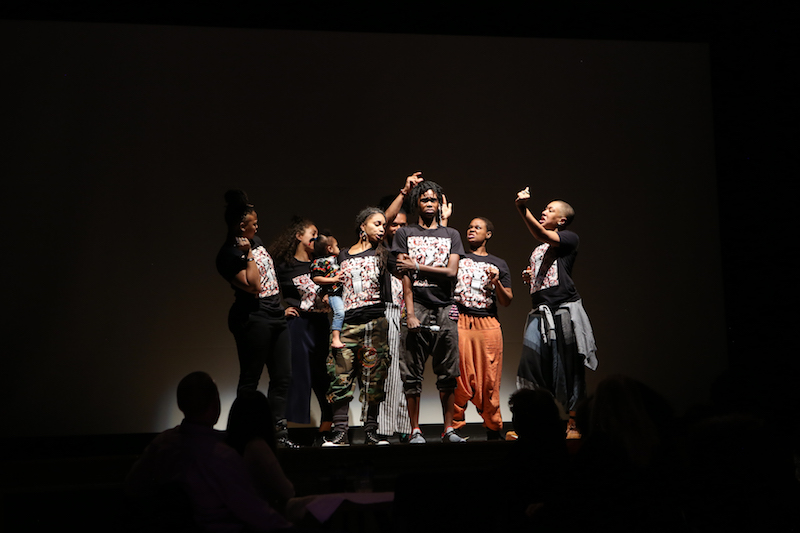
{"x":119,"y":142}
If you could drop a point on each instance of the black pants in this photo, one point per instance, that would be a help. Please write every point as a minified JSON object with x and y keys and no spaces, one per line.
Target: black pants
{"x":310,"y":333}
{"x":262,"y":340}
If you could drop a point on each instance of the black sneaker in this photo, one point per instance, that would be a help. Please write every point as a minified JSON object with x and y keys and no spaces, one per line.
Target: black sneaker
{"x":336,"y":438}
{"x":371,"y":437}
{"x":286,"y":442}
{"x":493,"y":434}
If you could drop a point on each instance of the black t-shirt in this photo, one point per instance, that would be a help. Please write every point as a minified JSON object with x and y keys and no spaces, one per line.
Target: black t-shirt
{"x":551,"y":271}
{"x":297,"y":287}
{"x":430,"y":247}
{"x":472,"y":293}
{"x":362,"y":286}
{"x":231,"y":261}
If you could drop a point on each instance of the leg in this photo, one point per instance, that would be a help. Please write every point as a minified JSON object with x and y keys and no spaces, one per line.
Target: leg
{"x":488,"y":371}
{"x":465,"y":387}
{"x":279,"y":365}
{"x":337,"y":304}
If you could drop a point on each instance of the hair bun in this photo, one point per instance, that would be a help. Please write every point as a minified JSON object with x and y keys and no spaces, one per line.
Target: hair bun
{"x":236,"y":197}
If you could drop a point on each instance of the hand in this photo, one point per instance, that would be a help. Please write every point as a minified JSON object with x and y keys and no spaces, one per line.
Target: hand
{"x":325,"y":299}
{"x":405,"y":264}
{"x":412,"y":322}
{"x":242,"y":244}
{"x":412,"y":181}
{"x":445,"y":210}
{"x":523,"y":196}
{"x":291,"y":311}
{"x":493,"y":275}
{"x":526,"y":276}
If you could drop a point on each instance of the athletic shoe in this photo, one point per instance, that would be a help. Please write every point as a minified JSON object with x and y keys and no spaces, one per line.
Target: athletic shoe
{"x":416,"y":437}
{"x":337,"y":438}
{"x":451,"y":436}
{"x":372,"y":438}
{"x":286,"y":442}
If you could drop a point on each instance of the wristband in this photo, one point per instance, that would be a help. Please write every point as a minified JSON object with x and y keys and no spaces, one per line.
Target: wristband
{"x":403,"y":192}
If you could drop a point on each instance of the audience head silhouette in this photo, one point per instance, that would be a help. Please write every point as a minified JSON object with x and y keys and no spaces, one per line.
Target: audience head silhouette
{"x":250,"y":417}
{"x":198,"y":398}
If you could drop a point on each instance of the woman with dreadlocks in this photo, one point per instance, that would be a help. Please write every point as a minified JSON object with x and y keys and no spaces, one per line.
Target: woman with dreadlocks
{"x":256,"y":317}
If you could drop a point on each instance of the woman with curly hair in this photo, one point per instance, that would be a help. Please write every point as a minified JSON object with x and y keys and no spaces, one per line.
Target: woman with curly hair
{"x":256,"y":317}
{"x":308,"y":323}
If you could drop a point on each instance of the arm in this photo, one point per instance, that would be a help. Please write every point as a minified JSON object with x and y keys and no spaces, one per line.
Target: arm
{"x":411,"y":320}
{"x":503,"y":294}
{"x":321,"y":280}
{"x":539,"y":232}
{"x":407,"y":265}
{"x":397,"y":203}
{"x":248,"y":279}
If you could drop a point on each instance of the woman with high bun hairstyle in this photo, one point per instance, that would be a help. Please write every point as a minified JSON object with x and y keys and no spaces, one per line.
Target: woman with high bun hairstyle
{"x":308,"y":322}
{"x":364,"y":358}
{"x":256,"y":317}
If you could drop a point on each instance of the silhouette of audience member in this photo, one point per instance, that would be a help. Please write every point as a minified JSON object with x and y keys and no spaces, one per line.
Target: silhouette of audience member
{"x":625,"y":476}
{"x":251,"y":433}
{"x":194,"y":457}
{"x":536,"y":468}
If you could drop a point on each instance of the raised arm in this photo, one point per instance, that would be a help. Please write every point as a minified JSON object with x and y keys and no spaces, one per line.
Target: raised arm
{"x":538,"y":231}
{"x":397,"y":203}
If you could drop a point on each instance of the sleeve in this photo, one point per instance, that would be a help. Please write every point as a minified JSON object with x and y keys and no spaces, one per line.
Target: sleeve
{"x":505,"y":273}
{"x":457,"y":247}
{"x":568,"y":242}
{"x":316,"y":269}
{"x":400,"y":243}
{"x":230,"y":263}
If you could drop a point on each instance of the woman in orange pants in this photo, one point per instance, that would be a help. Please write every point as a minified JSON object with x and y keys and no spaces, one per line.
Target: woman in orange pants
{"x":483,"y":282}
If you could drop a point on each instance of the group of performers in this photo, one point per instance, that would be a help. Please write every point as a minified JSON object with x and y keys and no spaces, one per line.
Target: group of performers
{"x":404,"y":292}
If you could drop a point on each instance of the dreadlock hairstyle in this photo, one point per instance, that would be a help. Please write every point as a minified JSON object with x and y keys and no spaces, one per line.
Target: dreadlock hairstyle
{"x":237,"y":209}
{"x":285,"y":246}
{"x":418,"y":191}
{"x":380,"y":250}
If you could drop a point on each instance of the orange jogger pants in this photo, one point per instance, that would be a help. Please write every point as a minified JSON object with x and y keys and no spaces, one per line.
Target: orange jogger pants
{"x":480,"y":350}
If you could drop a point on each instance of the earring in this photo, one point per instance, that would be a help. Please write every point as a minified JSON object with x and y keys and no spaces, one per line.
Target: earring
{"x":362,"y":235}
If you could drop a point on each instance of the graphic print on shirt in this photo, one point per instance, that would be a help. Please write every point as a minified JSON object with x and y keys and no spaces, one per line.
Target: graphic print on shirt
{"x":360,"y":276}
{"x":429,"y":251}
{"x":472,"y":288}
{"x":309,"y":297}
{"x":544,"y":268}
{"x":266,"y":269}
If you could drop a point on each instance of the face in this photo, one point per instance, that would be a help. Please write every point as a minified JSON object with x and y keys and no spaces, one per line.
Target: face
{"x":398,"y":222}
{"x":307,"y":238}
{"x":333,"y":246}
{"x":477,"y":233}
{"x":428,"y":204}
{"x":249,"y":226}
{"x":551,"y":216}
{"x":374,"y":227}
